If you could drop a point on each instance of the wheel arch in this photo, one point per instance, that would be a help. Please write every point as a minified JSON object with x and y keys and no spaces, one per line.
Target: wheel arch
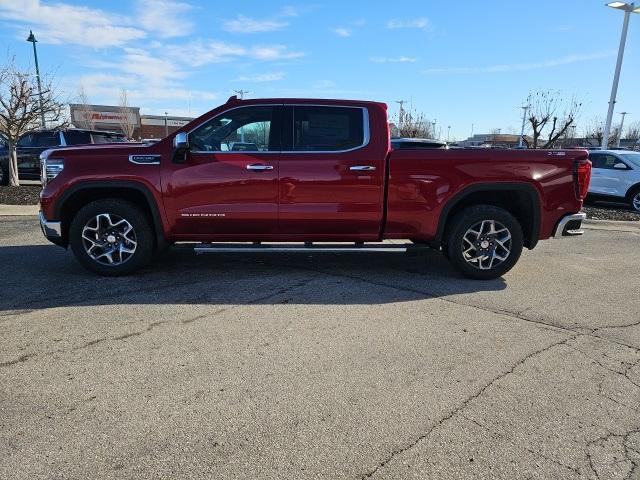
{"x":76,"y":196}
{"x":520,"y":199}
{"x":632,"y":189}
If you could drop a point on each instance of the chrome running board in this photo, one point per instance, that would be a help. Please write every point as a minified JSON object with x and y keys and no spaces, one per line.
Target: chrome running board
{"x":306,"y":248}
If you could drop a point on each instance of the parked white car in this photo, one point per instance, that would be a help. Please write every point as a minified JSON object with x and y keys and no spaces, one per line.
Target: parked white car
{"x":616,"y":176}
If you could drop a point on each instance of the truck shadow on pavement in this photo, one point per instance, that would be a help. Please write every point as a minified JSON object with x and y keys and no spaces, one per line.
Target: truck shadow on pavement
{"x":44,"y":276}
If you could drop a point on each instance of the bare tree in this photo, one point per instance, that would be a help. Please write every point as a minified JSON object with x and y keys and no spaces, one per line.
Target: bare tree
{"x":633,"y":131}
{"x":414,"y":125}
{"x":550,"y":116}
{"x":85,"y":109}
{"x":127,"y":124}
{"x":21,"y":108}
{"x":594,"y":130}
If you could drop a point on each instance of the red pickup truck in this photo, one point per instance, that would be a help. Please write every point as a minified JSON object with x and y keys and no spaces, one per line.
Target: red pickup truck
{"x":252,"y":175}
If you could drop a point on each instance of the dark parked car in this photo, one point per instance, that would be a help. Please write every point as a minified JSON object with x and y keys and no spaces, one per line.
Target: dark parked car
{"x":414,"y":143}
{"x":31,"y":145}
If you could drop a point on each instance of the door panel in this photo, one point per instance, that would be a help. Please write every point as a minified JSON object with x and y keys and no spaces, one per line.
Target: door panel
{"x":216,"y":194}
{"x":332,"y":194}
{"x":229,"y":183}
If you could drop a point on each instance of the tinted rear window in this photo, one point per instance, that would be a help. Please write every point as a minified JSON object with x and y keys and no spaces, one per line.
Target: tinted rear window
{"x":77,"y":137}
{"x":326,"y":129}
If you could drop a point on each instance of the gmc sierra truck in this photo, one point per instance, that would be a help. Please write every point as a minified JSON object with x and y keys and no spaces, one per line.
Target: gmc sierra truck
{"x":313,"y":176}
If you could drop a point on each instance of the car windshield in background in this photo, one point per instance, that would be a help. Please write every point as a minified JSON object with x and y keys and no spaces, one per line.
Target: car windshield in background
{"x":632,"y":157}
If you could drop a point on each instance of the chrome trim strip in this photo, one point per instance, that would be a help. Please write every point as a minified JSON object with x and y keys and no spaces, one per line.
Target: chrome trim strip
{"x":362,"y":168}
{"x":274,"y":248}
{"x":560,"y":232}
{"x":259,"y":167}
{"x":50,"y":229}
{"x":366,"y":128}
{"x":157,"y":162}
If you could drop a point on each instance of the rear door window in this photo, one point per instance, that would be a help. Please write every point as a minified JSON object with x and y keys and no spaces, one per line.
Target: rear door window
{"x":46,"y":139}
{"x":77,"y":137}
{"x":327,"y":129}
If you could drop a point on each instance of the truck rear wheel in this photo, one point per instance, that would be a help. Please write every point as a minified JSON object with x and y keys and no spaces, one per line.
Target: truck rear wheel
{"x":111,"y":237}
{"x":484,"y":242}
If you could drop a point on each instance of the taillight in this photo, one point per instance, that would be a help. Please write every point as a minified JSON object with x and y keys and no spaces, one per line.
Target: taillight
{"x":581,"y":178}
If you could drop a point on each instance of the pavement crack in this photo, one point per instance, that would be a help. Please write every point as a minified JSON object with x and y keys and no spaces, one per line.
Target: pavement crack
{"x":399,"y":451}
{"x":20,"y":359}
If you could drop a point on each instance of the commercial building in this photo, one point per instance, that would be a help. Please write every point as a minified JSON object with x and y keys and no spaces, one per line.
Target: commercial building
{"x":125,"y":120}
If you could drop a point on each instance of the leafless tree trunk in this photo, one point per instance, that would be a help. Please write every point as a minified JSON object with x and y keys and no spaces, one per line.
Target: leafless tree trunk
{"x":595,"y":130}
{"x":87,"y":114}
{"x":127,"y":124}
{"x":550,"y":116}
{"x":21,"y":109}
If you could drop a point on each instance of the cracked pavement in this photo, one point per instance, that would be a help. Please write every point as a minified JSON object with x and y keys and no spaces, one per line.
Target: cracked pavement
{"x":320,"y":366}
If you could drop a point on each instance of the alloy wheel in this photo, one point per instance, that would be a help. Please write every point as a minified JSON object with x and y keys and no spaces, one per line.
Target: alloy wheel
{"x":635,"y":202}
{"x":486,"y":244}
{"x":109,"y":239}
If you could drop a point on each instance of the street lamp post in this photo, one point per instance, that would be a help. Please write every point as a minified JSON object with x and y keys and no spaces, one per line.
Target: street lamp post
{"x":32,"y":38}
{"x":624,"y":114}
{"x":525,"y":108}
{"x":435,"y":136}
{"x":448,"y":133}
{"x":628,"y":9}
{"x":166,"y":124}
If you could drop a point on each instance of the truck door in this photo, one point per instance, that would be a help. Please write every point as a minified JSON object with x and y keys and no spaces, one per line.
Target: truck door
{"x":331,"y":177}
{"x":228,"y":184}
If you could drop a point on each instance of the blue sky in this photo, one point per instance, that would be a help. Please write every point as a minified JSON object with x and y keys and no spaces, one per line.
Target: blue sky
{"x":461,"y":63}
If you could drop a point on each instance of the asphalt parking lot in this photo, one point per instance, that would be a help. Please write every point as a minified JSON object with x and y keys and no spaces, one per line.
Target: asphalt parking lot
{"x":323,"y":366}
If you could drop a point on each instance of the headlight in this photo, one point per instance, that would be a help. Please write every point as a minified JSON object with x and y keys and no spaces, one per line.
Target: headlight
{"x":50,"y":168}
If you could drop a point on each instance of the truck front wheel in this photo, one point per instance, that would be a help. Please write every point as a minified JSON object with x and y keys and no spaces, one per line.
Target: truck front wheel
{"x":111,"y":237}
{"x":484,"y":242}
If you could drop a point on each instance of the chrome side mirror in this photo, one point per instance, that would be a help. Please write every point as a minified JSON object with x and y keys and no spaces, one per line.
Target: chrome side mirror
{"x":181,"y":141}
{"x":180,"y":147}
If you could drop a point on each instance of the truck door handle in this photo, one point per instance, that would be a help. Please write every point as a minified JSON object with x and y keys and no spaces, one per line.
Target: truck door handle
{"x":362,"y":168}
{"x":259,"y":167}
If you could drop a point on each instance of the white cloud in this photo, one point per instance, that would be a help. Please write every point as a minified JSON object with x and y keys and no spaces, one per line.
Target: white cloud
{"x":261,"y":77}
{"x":401,"y":59}
{"x":342,"y":31}
{"x":518,"y":67}
{"x":70,"y":24}
{"x":166,"y":18}
{"x":201,"y":53}
{"x":421,"y":23}
{"x":273,"y":52}
{"x":324,"y":84}
{"x":243,"y":24}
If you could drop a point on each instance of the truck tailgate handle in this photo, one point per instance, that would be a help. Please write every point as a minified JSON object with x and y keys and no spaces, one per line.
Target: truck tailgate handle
{"x":362,"y":168}
{"x":259,"y":167}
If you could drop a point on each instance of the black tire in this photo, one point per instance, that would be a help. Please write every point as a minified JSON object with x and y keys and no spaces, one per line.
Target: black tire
{"x":473,"y":264}
{"x":141,"y":232}
{"x":634,"y":199}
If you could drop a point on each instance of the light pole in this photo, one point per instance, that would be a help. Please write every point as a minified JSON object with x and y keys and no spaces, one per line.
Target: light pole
{"x":628,"y":8}
{"x":166,"y":124}
{"x":435,"y":136}
{"x":32,"y":38}
{"x":525,"y":109}
{"x":448,"y":133}
{"x":624,"y":114}
{"x":242,"y":93}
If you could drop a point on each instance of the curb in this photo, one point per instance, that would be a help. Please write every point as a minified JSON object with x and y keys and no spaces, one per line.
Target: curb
{"x":613,"y":225}
{"x":19,"y":210}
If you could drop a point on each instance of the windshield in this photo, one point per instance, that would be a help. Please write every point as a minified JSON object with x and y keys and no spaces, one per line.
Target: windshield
{"x":632,"y":157}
